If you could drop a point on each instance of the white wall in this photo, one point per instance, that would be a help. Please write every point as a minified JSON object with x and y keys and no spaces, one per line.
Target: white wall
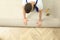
{"x":54,"y":7}
{"x":11,"y":13}
{"x":10,"y":8}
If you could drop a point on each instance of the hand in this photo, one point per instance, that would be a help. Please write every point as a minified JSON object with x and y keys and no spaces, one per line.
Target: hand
{"x":39,"y":22}
{"x":25,"y":21}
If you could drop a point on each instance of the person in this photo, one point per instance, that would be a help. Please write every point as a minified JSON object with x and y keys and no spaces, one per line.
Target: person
{"x":29,"y":6}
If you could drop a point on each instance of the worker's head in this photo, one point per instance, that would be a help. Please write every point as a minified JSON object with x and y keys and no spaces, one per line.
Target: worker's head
{"x":29,"y":7}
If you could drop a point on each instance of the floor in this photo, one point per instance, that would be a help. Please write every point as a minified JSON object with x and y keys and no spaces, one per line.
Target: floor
{"x":11,"y":33}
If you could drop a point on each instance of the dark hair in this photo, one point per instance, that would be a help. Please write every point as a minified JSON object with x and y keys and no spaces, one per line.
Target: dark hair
{"x":28,"y":7}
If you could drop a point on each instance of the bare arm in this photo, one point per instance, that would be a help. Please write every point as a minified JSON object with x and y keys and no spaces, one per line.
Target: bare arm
{"x":39,"y":22}
{"x":25,"y":19}
{"x":40,"y":15}
{"x":24,"y":14}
